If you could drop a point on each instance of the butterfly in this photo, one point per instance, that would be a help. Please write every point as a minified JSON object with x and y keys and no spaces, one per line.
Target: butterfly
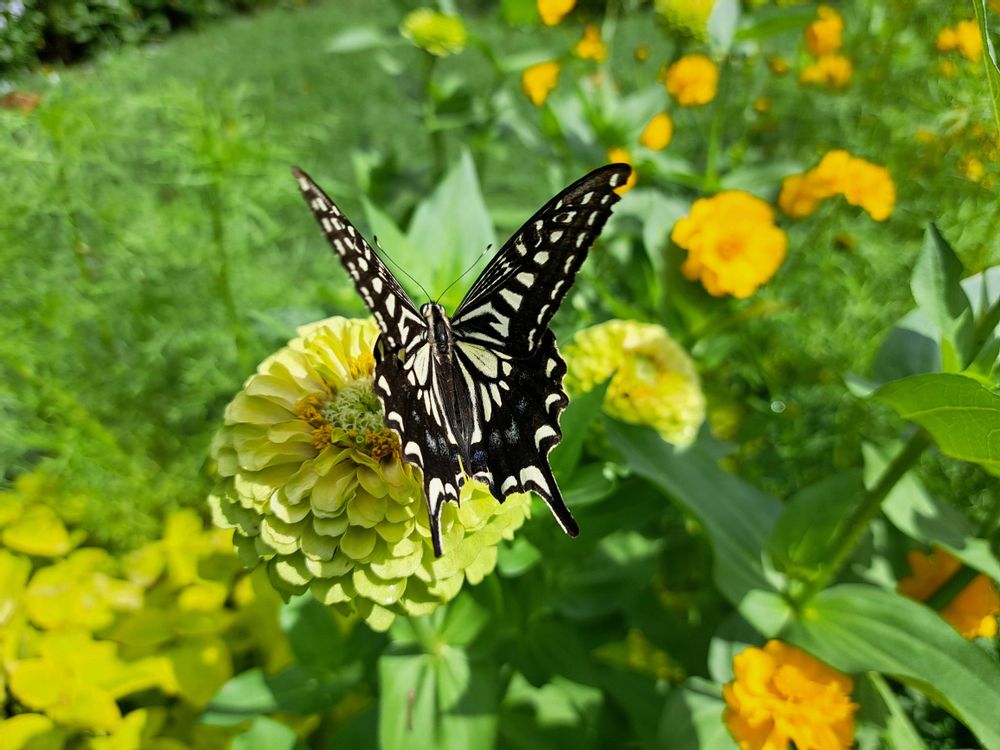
{"x":479,"y":394}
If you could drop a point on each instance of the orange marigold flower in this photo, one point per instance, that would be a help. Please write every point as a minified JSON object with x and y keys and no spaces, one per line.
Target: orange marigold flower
{"x":973,"y":612}
{"x":947,"y":39}
{"x":537,"y":81}
{"x":732,"y":242}
{"x":823,"y":35}
{"x":591,"y":47}
{"x":553,"y":11}
{"x":871,"y":187}
{"x":831,"y":70}
{"x":964,"y":37}
{"x":862,"y":183}
{"x":800,"y":195}
{"x":619,"y":155}
{"x":780,"y":695}
{"x":658,"y":132}
{"x":693,"y":80}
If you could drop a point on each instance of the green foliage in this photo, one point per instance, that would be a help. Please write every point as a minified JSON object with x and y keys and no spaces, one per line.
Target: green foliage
{"x":154,"y":250}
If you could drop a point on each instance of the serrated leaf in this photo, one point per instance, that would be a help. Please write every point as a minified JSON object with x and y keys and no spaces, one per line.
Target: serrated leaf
{"x":936,"y":286}
{"x":961,"y":415}
{"x":857,"y":629}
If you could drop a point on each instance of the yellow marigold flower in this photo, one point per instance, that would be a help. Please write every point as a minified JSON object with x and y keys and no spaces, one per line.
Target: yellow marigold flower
{"x":973,"y":612}
{"x":653,"y":380}
{"x":313,"y":484}
{"x":619,"y":155}
{"x":781,"y":695}
{"x":871,"y":187}
{"x":553,"y":11}
{"x":692,"y":80}
{"x":799,"y":196}
{"x":833,"y":71}
{"x":963,"y":37}
{"x":830,"y":174}
{"x":538,"y":81}
{"x":732,"y":242}
{"x":658,"y":132}
{"x":591,"y":46}
{"x":823,"y":36}
{"x":434,"y":32}
{"x":686,"y":16}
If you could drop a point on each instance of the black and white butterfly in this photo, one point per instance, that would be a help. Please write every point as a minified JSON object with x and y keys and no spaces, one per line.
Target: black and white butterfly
{"x":479,"y":395}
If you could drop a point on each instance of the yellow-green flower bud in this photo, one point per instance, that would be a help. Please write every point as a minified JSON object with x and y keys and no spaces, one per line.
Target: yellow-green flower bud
{"x":653,"y":380}
{"x":688,"y":17}
{"x":314,"y":485}
{"x":434,"y":32}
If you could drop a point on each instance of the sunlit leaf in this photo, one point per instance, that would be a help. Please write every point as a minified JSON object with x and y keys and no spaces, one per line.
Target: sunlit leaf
{"x":937,"y":289}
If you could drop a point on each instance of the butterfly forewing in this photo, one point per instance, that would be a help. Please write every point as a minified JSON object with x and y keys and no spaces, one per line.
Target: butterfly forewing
{"x":512,"y":302}
{"x":394,"y":312}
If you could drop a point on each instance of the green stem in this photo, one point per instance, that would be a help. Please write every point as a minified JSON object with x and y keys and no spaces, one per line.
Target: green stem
{"x":435,"y":133}
{"x":223,"y":282}
{"x":711,"y":183}
{"x":867,"y":509}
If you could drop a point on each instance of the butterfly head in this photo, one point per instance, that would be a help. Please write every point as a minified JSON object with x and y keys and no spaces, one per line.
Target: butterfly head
{"x":437,"y":322}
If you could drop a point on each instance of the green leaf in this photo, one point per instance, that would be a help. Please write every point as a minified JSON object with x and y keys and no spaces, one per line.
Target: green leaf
{"x":312,"y":633}
{"x":962,"y":416}
{"x":880,"y":710}
{"x":990,"y":59}
{"x":810,"y":526}
{"x":692,"y":718}
{"x":298,"y":689}
{"x":518,"y":557}
{"x":574,"y":422}
{"x":861,"y":628}
{"x":440,"y":700}
{"x":771,"y":21}
{"x":912,"y":510}
{"x":265,"y":734}
{"x":722,"y":23}
{"x":737,"y":517}
{"x":936,"y":286}
{"x":362,"y":39}
{"x":452,"y":227}
{"x":405,"y":253}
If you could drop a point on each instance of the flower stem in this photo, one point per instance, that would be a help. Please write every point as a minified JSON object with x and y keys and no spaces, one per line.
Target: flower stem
{"x":867,"y":509}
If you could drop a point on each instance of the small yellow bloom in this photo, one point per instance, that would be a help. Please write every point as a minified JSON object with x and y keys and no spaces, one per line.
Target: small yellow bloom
{"x":732,"y":242}
{"x":591,"y":47}
{"x":862,"y":183}
{"x":823,"y":36}
{"x":799,"y":196}
{"x":658,"y":132}
{"x":871,"y":187}
{"x":653,"y":380}
{"x":538,"y":81}
{"x":973,"y":612}
{"x":964,"y":37}
{"x":778,"y":65}
{"x":553,"y":11}
{"x":831,"y":70}
{"x":693,"y":80}
{"x":619,"y":155}
{"x":782,"y":695}
{"x":434,"y":32}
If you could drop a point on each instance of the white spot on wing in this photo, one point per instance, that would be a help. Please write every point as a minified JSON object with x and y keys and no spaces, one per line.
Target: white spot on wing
{"x":512,"y":298}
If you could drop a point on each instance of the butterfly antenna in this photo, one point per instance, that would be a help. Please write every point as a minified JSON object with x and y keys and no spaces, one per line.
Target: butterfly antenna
{"x":389,"y":258}
{"x":464,"y":273}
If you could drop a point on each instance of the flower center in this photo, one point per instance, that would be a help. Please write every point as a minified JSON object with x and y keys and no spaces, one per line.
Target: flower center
{"x":355,"y":408}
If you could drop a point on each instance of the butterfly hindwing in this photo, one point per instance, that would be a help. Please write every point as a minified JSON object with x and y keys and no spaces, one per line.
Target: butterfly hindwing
{"x":511,"y":303}
{"x":395,"y":314}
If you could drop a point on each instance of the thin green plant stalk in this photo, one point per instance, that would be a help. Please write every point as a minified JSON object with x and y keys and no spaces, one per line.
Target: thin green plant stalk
{"x":867,"y":509}
{"x":223,"y":281}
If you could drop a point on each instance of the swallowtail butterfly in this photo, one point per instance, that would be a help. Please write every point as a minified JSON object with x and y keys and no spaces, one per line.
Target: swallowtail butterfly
{"x":479,"y":394}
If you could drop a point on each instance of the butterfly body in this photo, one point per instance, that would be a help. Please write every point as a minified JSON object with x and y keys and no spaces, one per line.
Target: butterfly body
{"x":479,"y":394}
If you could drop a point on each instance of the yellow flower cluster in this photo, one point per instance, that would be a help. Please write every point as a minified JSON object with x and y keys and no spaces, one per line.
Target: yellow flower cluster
{"x":537,"y":81}
{"x":972,"y":612}
{"x":862,"y":183}
{"x":553,"y":11}
{"x":732,"y":242}
{"x":823,"y":38}
{"x":591,"y":46}
{"x":692,"y":80}
{"x":434,"y":32}
{"x":963,"y":37}
{"x":82,"y":633}
{"x":782,"y":695}
{"x":653,"y":380}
